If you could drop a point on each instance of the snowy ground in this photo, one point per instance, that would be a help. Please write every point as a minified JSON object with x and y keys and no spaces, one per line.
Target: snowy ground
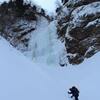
{"x":21,"y":79}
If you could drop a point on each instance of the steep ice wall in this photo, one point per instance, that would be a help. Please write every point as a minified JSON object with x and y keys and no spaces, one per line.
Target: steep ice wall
{"x":44,"y":45}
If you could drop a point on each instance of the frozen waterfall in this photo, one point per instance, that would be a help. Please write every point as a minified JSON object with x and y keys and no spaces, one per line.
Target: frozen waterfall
{"x":44,"y":45}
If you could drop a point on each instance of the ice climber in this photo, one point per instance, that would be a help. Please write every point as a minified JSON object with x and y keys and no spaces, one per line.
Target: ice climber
{"x":74,"y":92}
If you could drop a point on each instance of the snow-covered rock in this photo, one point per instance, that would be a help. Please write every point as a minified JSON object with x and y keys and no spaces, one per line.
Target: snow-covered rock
{"x":80,"y":29}
{"x":17,"y":23}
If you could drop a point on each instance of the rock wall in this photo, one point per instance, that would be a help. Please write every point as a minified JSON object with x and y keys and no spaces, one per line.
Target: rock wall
{"x":79,"y":27}
{"x":18,"y":22}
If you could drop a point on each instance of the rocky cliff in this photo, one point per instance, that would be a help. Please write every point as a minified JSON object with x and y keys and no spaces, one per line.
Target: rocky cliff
{"x":79,"y":27}
{"x":77,"y":23}
{"x":18,"y":19}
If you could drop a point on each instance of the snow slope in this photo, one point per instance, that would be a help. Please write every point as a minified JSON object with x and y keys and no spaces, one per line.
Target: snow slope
{"x":21,"y":79}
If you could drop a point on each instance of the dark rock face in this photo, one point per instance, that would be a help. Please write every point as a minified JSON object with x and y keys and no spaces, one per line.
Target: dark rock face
{"x":80,"y":29}
{"x":18,"y":20}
